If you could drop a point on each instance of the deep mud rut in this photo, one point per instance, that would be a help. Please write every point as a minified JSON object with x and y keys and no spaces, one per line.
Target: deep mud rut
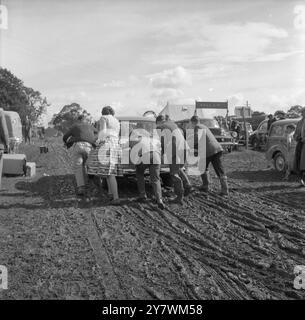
{"x":244,"y":246}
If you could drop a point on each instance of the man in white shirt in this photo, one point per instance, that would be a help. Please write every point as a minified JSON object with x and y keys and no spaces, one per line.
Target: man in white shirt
{"x":148,"y":153}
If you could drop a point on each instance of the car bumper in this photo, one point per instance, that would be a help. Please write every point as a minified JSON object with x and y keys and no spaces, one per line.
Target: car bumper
{"x":130,"y":170}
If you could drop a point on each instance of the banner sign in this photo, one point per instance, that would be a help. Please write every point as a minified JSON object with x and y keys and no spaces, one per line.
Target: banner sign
{"x":211,"y":105}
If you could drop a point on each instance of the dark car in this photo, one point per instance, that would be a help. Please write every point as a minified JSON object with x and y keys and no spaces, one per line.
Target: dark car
{"x":276,"y":148}
{"x":222,"y":135}
{"x":258,"y":138}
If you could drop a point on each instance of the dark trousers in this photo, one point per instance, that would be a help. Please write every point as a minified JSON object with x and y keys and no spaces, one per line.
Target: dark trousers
{"x":179,"y":179}
{"x":27,"y":136}
{"x":154,"y":172}
{"x":1,"y":166}
{"x":217,"y":164}
{"x":297,"y":159}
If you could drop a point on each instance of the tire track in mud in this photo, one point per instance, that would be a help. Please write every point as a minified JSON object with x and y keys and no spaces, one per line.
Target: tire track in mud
{"x":172,"y":242}
{"x":257,"y":248}
{"x":241,"y":247}
{"x":300,"y":255}
{"x":109,"y":279}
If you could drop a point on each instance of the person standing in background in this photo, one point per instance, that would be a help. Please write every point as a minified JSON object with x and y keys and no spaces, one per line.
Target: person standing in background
{"x":299,"y":137}
{"x":4,"y":140}
{"x":271,"y":119}
{"x":27,"y":130}
{"x":290,"y":129}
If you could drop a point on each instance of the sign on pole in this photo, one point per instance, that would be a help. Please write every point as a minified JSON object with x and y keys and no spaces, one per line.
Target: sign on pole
{"x":241,"y":112}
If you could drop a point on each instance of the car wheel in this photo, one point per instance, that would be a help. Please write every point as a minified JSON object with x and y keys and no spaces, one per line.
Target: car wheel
{"x":166,"y":179}
{"x":279,"y":162}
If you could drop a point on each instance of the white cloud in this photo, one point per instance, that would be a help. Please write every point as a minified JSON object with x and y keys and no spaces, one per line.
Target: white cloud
{"x":200,"y":41}
{"x":130,"y":94}
{"x":165,"y":94}
{"x":168,"y":84}
{"x":172,"y":78}
{"x":276,"y":102}
{"x":278,"y":56}
{"x":236,"y":100}
{"x":119,"y":107}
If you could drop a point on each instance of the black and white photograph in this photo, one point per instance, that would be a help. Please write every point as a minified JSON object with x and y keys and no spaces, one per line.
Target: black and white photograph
{"x":152,"y":151}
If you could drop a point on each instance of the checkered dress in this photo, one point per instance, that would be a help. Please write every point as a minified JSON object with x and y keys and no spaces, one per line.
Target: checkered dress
{"x":105,"y":159}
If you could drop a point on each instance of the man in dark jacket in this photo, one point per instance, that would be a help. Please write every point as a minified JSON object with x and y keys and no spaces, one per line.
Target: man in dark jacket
{"x":4,"y":140}
{"x":213,"y":155}
{"x":82,"y":137}
{"x":271,"y":119}
{"x":173,"y":147}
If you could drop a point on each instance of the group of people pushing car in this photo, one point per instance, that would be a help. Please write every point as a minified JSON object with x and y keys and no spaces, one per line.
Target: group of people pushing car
{"x":97,"y":155}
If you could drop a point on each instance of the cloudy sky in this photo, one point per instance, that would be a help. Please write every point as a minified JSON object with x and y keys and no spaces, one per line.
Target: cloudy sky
{"x":136,"y":55}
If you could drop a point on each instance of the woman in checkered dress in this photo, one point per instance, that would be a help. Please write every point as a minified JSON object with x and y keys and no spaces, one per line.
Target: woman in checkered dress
{"x":105,"y":160}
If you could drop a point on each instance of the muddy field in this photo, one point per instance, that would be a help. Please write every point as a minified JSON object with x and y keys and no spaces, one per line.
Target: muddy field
{"x":244,"y":246}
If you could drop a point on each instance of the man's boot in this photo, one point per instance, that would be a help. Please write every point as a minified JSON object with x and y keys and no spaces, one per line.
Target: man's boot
{"x":224,"y":186}
{"x":205,"y":177}
{"x":177,"y":199}
{"x":161,"y":204}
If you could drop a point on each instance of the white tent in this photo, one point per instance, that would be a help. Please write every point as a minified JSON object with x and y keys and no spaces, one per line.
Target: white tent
{"x":177,"y":112}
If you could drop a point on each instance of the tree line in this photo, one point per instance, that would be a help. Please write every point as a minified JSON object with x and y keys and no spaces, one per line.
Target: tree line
{"x":15,"y":96}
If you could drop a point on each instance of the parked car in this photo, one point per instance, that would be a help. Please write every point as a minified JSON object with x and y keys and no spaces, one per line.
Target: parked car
{"x":258,"y":138}
{"x":222,"y":135}
{"x":14,"y":128}
{"x":242,"y":133}
{"x":276,"y":148}
{"x":136,"y":122}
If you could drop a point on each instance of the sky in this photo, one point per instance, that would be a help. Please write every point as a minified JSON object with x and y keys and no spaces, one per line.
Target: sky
{"x":138,"y":55}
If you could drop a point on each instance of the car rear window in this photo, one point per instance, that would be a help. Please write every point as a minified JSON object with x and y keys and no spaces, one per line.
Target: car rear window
{"x":276,"y":131}
{"x":146,"y":125}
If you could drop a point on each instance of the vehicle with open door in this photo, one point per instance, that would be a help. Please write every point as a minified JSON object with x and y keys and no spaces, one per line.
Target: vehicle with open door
{"x":276,"y":147}
{"x":14,"y":127}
